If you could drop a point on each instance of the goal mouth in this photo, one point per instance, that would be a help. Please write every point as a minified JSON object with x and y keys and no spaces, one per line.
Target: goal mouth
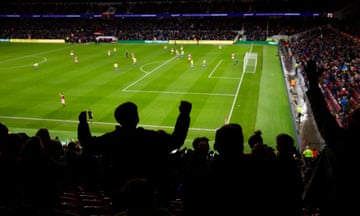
{"x":250,"y":62}
{"x":106,"y":39}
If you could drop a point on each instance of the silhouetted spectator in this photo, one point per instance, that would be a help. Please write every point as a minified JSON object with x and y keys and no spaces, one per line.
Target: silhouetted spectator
{"x":41,"y":178}
{"x":263,"y":181}
{"x":53,"y":147}
{"x":133,"y":151}
{"x":10,"y":190}
{"x":230,"y":183}
{"x":255,"y":138}
{"x":195,"y":176}
{"x":334,"y":182}
{"x":72,"y":165}
{"x":289,"y":183}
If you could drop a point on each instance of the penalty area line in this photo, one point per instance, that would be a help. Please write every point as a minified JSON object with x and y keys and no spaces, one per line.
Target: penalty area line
{"x":99,"y":123}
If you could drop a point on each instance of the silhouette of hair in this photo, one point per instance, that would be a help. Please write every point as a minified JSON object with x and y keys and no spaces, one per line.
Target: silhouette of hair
{"x":255,"y":138}
{"x":44,"y":134}
{"x":229,"y":139}
{"x":201,"y":145}
{"x":127,"y":115}
{"x":33,"y":148}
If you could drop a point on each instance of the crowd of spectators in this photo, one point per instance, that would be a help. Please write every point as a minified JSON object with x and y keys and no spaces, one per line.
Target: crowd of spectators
{"x":144,"y":170}
{"x":165,"y":27}
{"x":135,"y":171}
{"x":162,"y":6}
{"x":337,"y":55}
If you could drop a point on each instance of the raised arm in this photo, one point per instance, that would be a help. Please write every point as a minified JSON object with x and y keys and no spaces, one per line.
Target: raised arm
{"x":325,"y":120}
{"x":83,"y":130}
{"x":182,"y":125}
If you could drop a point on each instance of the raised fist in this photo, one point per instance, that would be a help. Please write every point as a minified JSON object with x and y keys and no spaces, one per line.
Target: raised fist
{"x":185,"y":107}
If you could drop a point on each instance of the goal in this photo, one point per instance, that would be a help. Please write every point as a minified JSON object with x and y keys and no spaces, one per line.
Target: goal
{"x":250,"y":62}
{"x":106,"y":39}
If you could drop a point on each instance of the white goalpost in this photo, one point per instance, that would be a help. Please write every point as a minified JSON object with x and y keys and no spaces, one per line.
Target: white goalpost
{"x":250,"y":62}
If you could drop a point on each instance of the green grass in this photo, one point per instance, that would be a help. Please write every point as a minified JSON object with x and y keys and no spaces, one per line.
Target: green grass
{"x":30,"y":99}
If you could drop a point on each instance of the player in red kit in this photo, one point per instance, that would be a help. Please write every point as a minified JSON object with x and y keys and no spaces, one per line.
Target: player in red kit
{"x":62,"y":99}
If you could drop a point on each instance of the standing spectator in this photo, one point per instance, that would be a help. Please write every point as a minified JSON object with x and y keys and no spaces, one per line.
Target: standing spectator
{"x":10,"y":181}
{"x":53,"y":147}
{"x":133,"y":151}
{"x":230,"y":181}
{"x":334,"y":181}
{"x":41,"y":178}
{"x":72,"y":169}
{"x":289,"y":183}
{"x":254,"y":139}
{"x":195,"y":174}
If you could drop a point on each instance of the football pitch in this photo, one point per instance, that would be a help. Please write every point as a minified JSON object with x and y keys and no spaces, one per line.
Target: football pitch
{"x":221,"y":92}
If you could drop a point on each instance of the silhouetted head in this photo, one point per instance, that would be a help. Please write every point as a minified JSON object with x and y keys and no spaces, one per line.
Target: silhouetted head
{"x":126,"y":115}
{"x":44,"y":134}
{"x":255,"y":139}
{"x":285,"y":144}
{"x":262,"y":152}
{"x":33,"y":148}
{"x":201,"y":145}
{"x":229,"y":139}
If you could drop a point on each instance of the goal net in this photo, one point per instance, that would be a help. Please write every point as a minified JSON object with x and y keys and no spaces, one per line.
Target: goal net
{"x":106,"y":39}
{"x":250,"y":62}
